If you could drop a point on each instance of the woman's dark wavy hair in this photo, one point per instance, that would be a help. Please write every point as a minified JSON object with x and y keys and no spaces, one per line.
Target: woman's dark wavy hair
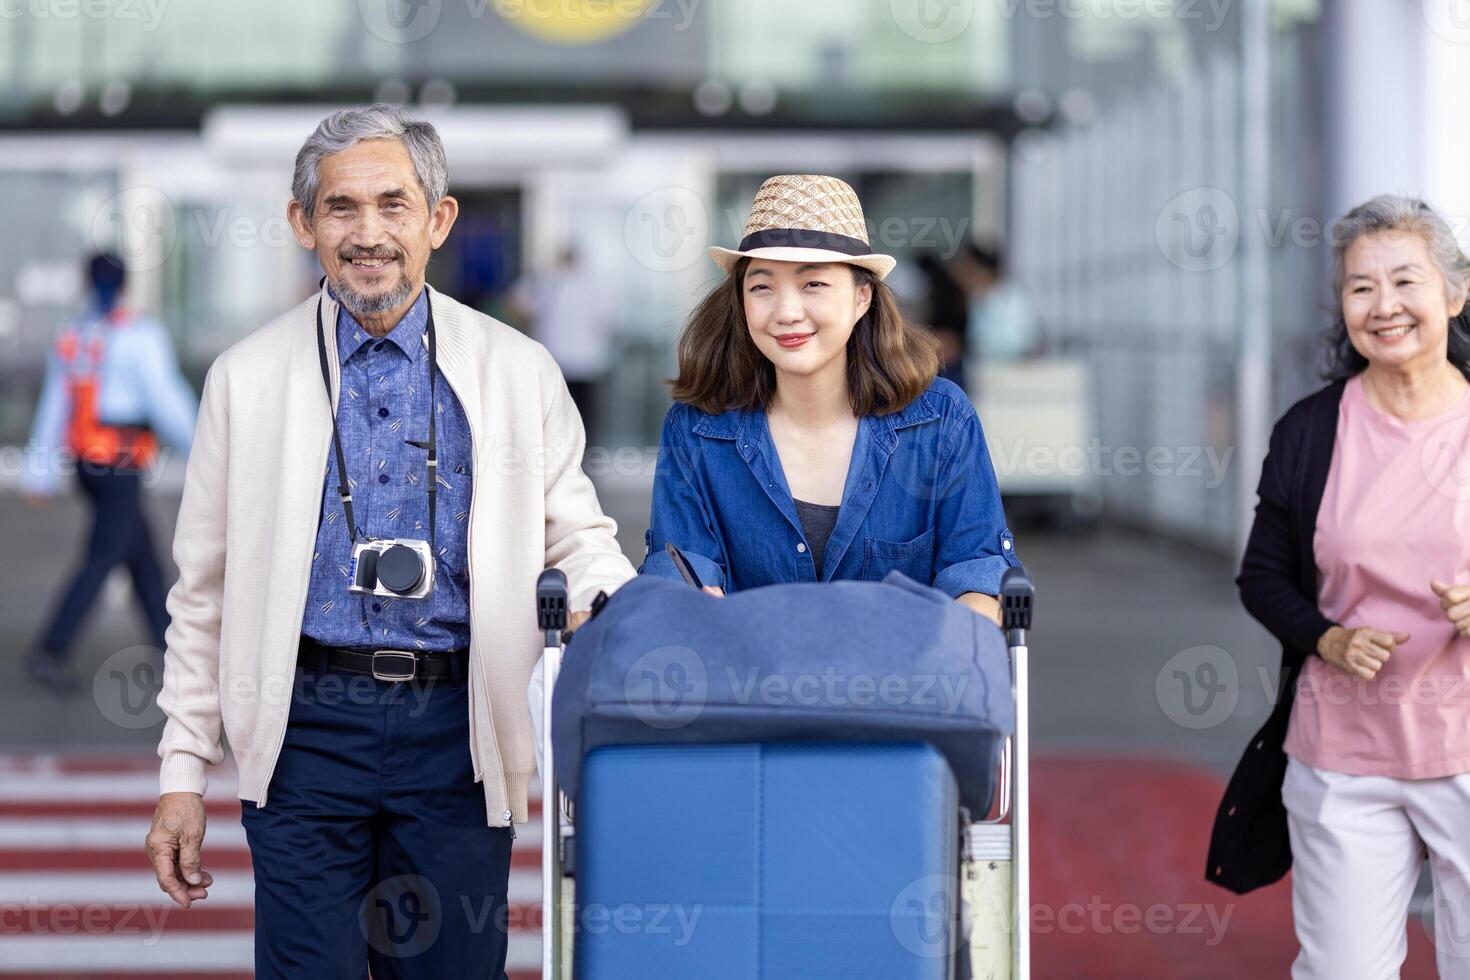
{"x":1392,"y":212}
{"x":889,"y":361}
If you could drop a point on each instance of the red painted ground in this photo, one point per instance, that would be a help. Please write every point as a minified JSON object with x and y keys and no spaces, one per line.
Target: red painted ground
{"x":1111,"y":839}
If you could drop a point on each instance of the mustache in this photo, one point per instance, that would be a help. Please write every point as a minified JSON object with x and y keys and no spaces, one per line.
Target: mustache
{"x":368,"y":253}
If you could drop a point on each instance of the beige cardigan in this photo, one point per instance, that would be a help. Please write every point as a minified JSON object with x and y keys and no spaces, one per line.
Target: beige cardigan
{"x":247,"y":528}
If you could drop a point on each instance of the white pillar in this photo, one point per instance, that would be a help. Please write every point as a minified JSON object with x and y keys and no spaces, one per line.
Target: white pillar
{"x":1375,"y":98}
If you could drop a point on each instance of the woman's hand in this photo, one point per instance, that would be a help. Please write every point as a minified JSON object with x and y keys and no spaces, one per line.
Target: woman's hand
{"x":714,"y":590}
{"x":986,"y":605}
{"x":1455,"y":601}
{"x":1361,"y":652}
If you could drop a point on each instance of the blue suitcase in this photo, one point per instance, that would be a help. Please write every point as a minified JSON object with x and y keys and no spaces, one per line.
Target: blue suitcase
{"x":732,"y":860}
{"x":785,"y":860}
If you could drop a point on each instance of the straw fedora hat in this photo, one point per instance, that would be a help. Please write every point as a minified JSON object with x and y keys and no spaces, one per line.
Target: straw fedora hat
{"x":806,"y":218}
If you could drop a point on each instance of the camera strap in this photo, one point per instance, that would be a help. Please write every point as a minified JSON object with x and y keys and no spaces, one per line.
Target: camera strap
{"x":343,"y":490}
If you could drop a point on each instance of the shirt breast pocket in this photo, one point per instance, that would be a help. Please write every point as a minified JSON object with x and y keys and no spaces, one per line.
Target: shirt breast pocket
{"x":913,"y":558}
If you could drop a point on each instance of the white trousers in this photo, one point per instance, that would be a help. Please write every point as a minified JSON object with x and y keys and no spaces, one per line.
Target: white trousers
{"x":1357,"y":845}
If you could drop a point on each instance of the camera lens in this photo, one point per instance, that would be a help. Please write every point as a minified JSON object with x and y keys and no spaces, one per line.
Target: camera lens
{"x":400,"y":569}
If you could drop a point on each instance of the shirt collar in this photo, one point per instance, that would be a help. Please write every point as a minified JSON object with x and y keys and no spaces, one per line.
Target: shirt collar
{"x":407,"y":336}
{"x":733,"y":424}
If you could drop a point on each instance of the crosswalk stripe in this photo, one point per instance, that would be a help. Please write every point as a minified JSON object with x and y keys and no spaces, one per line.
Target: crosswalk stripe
{"x":123,"y":887}
{"x":183,"y":952}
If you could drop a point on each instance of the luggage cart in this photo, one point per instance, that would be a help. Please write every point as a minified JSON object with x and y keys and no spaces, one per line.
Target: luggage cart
{"x":995,"y":856}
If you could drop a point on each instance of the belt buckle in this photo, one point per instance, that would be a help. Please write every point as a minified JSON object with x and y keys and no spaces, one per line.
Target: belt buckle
{"x":392,"y":662}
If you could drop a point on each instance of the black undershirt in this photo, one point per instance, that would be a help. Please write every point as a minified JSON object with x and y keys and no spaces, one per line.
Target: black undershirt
{"x":817,"y":521}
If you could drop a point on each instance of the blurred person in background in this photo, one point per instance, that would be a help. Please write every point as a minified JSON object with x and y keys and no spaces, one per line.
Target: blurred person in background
{"x":810,"y":440}
{"x":945,"y":310}
{"x":1359,"y":563}
{"x":364,"y":418}
{"x":568,"y":313}
{"x":112,"y":388}
{"x":1000,"y":323}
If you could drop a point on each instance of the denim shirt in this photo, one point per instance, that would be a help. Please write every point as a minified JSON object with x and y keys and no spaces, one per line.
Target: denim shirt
{"x":920,"y":498}
{"x":384,"y":400}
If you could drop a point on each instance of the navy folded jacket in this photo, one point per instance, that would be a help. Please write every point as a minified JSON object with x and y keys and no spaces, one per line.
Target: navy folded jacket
{"x":840,"y":661}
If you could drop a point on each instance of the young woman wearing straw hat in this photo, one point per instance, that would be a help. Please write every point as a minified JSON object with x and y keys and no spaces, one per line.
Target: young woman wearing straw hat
{"x":810,"y":439}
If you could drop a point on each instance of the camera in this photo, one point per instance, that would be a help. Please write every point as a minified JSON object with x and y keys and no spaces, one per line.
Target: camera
{"x":396,"y":567}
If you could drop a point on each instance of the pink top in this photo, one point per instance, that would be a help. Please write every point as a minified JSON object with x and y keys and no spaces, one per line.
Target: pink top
{"x":1395,"y":513}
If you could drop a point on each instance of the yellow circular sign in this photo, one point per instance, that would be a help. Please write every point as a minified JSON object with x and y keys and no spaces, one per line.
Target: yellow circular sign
{"x":573,"y":21}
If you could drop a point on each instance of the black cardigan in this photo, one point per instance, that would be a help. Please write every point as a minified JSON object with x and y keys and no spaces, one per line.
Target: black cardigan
{"x":1249,"y":846}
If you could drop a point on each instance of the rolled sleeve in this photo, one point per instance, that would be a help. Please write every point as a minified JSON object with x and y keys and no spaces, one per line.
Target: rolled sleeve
{"x":660,"y":564}
{"x":979,"y":574}
{"x":974,"y":546}
{"x":680,"y":513}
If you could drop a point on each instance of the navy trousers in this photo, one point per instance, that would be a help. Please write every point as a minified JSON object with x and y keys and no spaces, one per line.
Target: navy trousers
{"x":372,"y":849}
{"x":119,"y":535}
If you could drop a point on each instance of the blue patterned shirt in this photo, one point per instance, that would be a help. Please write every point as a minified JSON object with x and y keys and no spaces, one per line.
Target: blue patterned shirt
{"x":384,"y":400}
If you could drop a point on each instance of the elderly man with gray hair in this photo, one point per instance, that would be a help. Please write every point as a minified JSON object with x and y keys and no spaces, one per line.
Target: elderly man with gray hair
{"x":378,"y":477}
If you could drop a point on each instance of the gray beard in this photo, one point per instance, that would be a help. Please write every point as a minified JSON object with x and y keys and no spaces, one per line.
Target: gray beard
{"x":360,"y":305}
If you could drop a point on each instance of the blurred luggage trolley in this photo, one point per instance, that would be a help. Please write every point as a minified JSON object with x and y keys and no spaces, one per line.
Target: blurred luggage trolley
{"x":797,"y":781}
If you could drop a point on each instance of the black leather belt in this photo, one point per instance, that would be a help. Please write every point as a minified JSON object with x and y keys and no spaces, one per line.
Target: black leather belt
{"x":385,"y":665}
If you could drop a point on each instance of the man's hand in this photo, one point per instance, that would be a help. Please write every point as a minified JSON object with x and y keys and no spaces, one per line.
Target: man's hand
{"x":1455,"y":601}
{"x":1361,"y":652}
{"x":173,"y":847}
{"x":714,"y":590}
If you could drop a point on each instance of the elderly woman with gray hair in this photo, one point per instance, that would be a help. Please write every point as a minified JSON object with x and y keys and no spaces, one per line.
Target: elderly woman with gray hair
{"x":1359,"y":563}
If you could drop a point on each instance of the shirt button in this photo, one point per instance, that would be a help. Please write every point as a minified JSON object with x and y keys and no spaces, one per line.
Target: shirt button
{"x":801,"y":547}
{"x":506,"y":815}
{"x":1005,"y":545}
{"x":382,"y":477}
{"x":382,"y":413}
{"x":379,"y":345}
{"x":377,"y":607}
